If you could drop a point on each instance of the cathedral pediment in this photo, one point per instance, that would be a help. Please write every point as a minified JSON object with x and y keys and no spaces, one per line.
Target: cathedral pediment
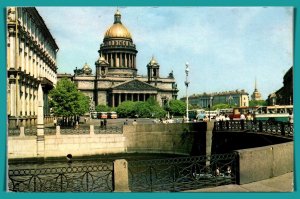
{"x":136,"y":85}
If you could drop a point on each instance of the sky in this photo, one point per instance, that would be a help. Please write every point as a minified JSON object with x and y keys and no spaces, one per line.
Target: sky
{"x":227,"y":48}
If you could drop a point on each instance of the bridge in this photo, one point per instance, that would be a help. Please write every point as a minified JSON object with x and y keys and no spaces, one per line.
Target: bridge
{"x":278,"y":129}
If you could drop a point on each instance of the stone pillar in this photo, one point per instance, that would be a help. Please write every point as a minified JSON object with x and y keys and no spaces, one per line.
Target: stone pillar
{"x":22,"y":131}
{"x":126,"y":65}
{"x":40,"y":124}
{"x":121,"y":176}
{"x":126,"y":96}
{"x":92,"y":132}
{"x":12,"y":82}
{"x":119,"y":101}
{"x":57,"y":131}
{"x":209,"y":130}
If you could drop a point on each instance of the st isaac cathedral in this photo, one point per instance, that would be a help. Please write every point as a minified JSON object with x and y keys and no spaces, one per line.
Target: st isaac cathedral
{"x":116,"y":78}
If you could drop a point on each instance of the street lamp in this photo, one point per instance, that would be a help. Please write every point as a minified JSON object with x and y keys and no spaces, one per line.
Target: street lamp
{"x":210,"y":100}
{"x":229,"y":100}
{"x":186,"y":91}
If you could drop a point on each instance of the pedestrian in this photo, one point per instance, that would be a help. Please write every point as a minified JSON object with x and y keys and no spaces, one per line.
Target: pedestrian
{"x":105,"y":122}
{"x":242,"y":120}
{"x":291,"y":118}
{"x":134,"y":122}
{"x":54,"y":121}
{"x":227,"y":119}
{"x":126,"y":122}
{"x":101,"y":123}
{"x":228,"y":171}
{"x":221,"y":120}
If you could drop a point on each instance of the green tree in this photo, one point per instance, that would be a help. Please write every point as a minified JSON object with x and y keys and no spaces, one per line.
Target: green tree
{"x":221,"y":106}
{"x":257,"y":103}
{"x":102,"y":108}
{"x":177,"y":107}
{"x":142,"y":109}
{"x":67,"y":101}
{"x":126,"y":109}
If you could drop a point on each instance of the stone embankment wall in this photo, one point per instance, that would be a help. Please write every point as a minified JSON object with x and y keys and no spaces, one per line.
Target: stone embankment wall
{"x":160,"y":138}
{"x":143,"y":138}
{"x":261,"y":163}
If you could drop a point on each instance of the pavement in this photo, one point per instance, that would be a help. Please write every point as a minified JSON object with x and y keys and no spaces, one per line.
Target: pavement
{"x":283,"y":183}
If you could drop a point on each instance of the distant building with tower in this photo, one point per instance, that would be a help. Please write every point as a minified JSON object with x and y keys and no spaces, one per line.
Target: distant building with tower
{"x":232,"y":98}
{"x":256,"y":94}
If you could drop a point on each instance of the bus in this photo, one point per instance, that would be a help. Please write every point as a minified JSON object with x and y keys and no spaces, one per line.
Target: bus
{"x":236,"y":114}
{"x":226,"y":111}
{"x":279,"y":113}
{"x":112,"y":115}
{"x":102,"y":115}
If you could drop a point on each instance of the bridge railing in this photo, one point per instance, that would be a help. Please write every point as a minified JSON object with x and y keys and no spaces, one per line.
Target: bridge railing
{"x":32,"y":131}
{"x":92,"y":178}
{"x":185,"y":173}
{"x":279,"y":128}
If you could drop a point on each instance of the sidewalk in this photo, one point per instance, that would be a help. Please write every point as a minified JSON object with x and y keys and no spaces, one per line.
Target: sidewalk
{"x":283,"y":183}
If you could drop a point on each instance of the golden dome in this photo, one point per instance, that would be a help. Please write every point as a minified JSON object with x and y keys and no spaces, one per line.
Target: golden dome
{"x":117,"y":30}
{"x":86,"y":66}
{"x":153,"y":62}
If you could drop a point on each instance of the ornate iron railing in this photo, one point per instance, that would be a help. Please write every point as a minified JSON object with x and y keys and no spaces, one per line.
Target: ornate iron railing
{"x":50,"y":131}
{"x":30,"y":131}
{"x":186,"y":173}
{"x":109,"y":130}
{"x":13,"y":132}
{"x":73,"y":131}
{"x":275,"y":128}
{"x":94,"y":178}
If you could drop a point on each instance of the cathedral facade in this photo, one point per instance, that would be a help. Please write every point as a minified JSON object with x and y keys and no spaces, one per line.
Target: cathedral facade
{"x":116,"y":78}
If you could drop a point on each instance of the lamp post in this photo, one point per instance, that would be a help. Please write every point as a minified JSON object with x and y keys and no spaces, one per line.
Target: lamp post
{"x":186,"y":91}
{"x":210,"y":100}
{"x":229,"y":100}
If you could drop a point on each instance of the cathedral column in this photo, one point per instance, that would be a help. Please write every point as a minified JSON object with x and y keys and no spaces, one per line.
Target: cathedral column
{"x":116,"y":60}
{"x":22,"y":55}
{"x":138,"y":97}
{"x":126,"y":96}
{"x":144,"y":97}
{"x":119,"y":99}
{"x":111,"y":60}
{"x":129,"y":63}
{"x":120,"y":60}
{"x":134,"y":62}
{"x":125,"y":56}
{"x":23,"y":100}
{"x":113,"y":100}
{"x":26,"y":58}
